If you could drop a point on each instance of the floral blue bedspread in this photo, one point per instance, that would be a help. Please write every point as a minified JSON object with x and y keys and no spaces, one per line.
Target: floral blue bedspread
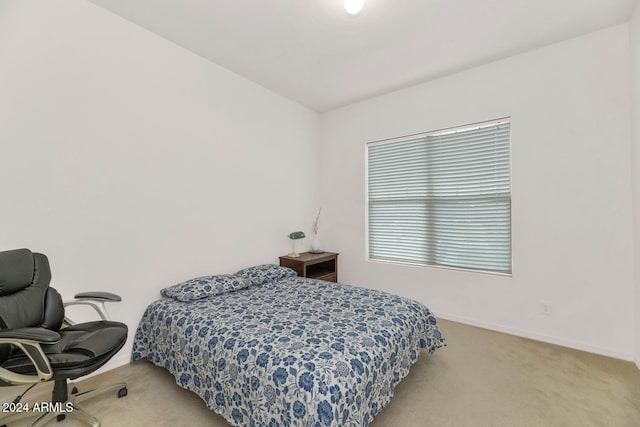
{"x":291,"y":351}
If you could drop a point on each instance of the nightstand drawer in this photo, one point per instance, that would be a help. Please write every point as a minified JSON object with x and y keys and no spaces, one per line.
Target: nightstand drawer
{"x":322,"y":266}
{"x":331,"y":277}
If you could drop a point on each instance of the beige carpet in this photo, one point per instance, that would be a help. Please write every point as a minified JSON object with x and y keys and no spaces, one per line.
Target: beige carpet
{"x":482,"y":378}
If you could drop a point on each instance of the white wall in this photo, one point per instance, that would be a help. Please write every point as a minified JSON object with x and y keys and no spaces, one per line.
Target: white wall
{"x":134,"y":164}
{"x":635,"y":132}
{"x":571,"y":196}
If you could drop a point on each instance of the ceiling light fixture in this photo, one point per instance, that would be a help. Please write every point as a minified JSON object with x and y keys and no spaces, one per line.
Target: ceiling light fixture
{"x":353,"y":7}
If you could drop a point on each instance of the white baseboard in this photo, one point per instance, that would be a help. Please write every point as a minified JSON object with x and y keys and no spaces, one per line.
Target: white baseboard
{"x":120,"y":360}
{"x":125,"y":358}
{"x":538,"y":337}
{"x":116,"y":362}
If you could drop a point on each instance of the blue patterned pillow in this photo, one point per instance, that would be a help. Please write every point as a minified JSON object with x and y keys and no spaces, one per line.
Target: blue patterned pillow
{"x":261,"y":274}
{"x":203,"y":287}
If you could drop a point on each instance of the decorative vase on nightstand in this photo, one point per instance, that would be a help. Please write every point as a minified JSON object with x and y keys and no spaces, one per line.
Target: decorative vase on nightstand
{"x":315,"y":245}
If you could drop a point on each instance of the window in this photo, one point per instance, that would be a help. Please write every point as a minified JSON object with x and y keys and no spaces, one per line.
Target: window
{"x":442,"y":198}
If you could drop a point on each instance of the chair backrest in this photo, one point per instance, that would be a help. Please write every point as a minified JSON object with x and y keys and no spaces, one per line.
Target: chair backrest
{"x":26,"y":300}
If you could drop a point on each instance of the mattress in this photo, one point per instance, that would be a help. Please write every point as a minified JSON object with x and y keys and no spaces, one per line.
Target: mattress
{"x":291,"y":351}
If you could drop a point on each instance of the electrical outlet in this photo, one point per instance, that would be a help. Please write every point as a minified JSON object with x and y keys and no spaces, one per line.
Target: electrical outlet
{"x":545,"y":308}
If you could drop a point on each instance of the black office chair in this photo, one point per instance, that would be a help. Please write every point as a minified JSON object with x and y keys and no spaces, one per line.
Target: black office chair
{"x":37,"y":342}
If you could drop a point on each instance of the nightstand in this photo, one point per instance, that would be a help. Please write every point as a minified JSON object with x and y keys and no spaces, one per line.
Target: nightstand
{"x":322,"y":266}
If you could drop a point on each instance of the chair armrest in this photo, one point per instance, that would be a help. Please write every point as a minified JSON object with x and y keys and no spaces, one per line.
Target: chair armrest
{"x":41,"y":335}
{"x":96,"y":300}
{"x":28,"y":340}
{"x":100,"y":296}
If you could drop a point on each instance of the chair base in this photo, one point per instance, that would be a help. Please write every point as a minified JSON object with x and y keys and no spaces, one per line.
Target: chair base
{"x":70,"y":406}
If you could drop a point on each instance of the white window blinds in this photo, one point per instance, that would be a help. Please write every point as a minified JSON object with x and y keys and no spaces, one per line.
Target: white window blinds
{"x":442,"y":198}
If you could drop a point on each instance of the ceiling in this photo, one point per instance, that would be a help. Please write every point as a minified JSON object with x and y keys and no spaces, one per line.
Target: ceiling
{"x":314,"y":53}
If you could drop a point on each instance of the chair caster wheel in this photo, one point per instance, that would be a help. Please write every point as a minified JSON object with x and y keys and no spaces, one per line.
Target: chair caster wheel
{"x":122,"y":392}
{"x":74,"y":390}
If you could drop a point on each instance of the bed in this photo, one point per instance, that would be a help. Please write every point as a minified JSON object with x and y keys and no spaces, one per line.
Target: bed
{"x":265,"y":347}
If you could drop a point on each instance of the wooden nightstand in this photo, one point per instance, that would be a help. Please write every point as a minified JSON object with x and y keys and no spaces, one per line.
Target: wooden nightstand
{"x":322,"y":266}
